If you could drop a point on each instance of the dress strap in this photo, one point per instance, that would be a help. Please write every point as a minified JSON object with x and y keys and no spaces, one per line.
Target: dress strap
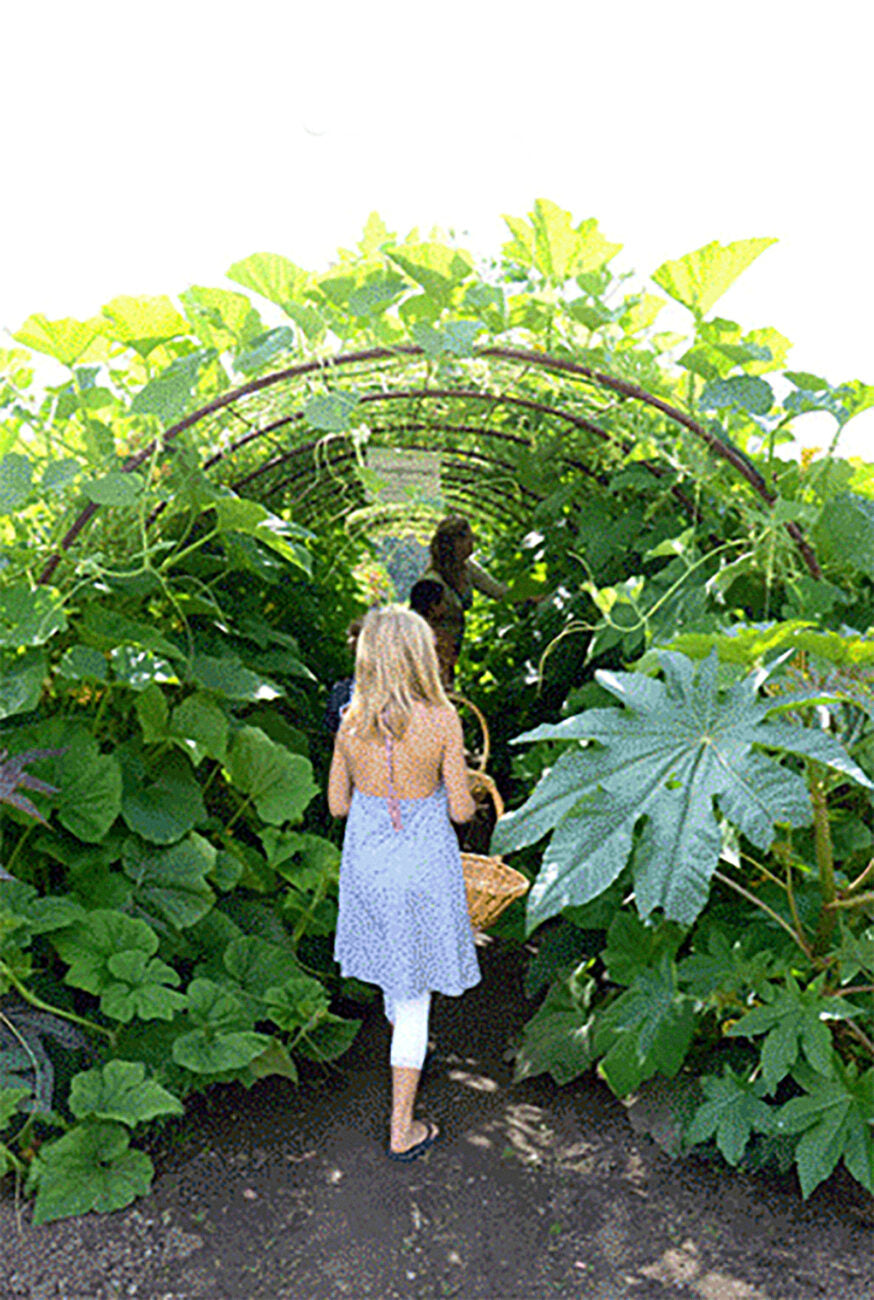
{"x":394,"y":807}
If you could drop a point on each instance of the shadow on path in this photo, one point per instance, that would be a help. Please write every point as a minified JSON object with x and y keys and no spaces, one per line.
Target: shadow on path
{"x":285,"y":1193}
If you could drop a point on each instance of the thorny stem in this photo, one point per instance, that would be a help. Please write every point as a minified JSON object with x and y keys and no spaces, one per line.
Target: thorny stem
{"x":824,"y":856}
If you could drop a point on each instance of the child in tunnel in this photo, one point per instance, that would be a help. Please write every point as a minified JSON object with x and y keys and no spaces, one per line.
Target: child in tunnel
{"x":399,"y":775}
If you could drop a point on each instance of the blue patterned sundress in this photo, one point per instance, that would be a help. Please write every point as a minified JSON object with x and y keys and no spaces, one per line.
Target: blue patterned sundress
{"x":403,"y":922}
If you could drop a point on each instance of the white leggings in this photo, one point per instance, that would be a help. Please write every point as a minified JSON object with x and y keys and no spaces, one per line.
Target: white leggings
{"x":409,"y":1041}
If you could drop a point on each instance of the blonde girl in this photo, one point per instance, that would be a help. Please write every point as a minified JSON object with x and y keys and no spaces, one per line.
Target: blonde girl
{"x":399,"y":775}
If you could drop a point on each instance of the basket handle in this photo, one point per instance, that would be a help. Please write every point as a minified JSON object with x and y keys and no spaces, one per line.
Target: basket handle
{"x":487,"y":743}
{"x":483,"y":779}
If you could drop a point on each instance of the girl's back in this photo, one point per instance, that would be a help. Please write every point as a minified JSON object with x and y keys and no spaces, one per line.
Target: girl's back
{"x":431,"y":748}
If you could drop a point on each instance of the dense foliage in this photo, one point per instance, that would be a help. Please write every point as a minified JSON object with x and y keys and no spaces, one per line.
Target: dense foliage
{"x":174,"y":592}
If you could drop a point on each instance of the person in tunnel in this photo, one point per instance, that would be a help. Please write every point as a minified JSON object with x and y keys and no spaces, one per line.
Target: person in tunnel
{"x":341,"y":692}
{"x":452,"y":547}
{"x":428,"y":598}
{"x":399,"y":777}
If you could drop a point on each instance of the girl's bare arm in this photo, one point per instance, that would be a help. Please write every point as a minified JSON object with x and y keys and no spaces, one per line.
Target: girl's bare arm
{"x":461,"y":803}
{"x":339,"y":782}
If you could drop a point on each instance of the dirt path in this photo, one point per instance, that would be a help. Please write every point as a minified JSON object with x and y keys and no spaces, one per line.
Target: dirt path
{"x":536,"y":1191}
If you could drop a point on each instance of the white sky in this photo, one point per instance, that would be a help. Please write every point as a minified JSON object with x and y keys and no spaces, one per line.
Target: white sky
{"x":148,"y":146}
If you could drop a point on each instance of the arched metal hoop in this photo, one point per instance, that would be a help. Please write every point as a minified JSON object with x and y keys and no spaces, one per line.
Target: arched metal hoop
{"x":513,"y":356}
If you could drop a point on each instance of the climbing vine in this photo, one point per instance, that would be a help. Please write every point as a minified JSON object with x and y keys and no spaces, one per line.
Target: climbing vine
{"x":189,"y":515}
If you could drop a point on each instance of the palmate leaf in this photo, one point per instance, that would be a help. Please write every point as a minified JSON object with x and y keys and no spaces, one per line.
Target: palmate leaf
{"x":140,"y":988}
{"x":90,"y":1168}
{"x":834,"y":1119}
{"x":794,"y":1021}
{"x":279,"y":783}
{"x":701,"y":277}
{"x":732,"y":1111}
{"x":559,"y":1036}
{"x":221,"y":1037}
{"x":651,"y":783}
{"x":119,"y":1090}
{"x":88,"y":945}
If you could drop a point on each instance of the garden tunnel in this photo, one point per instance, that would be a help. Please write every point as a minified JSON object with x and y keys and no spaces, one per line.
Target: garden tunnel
{"x":510,"y":427}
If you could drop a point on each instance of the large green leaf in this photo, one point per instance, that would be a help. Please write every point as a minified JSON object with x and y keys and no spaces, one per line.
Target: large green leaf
{"x":227,"y":675}
{"x":88,"y":945}
{"x":237,"y":515}
{"x":171,"y":882}
{"x":844,"y":532}
{"x":222,"y":1038}
{"x":559,"y":1037}
{"x":140,"y":988}
{"x":16,"y":473}
{"x":30,"y":616}
{"x":105,"y":629}
{"x":273,"y":276}
{"x":221,"y":318}
{"x":66,"y":340}
{"x":115,"y":489}
{"x":171,"y":392}
{"x":436,"y":267}
{"x":21,"y":681}
{"x":90,"y":788}
{"x":143,"y":322}
{"x":834,"y":1118}
{"x":119,"y":1090}
{"x":167,"y":807}
{"x":279,"y":783}
{"x":700,"y":278}
{"x":648,"y":1028}
{"x":201,"y":728}
{"x":654,"y":774}
{"x":555,"y":246}
{"x":732,"y":1111}
{"x":795,"y":1022}
{"x":89,"y":1168}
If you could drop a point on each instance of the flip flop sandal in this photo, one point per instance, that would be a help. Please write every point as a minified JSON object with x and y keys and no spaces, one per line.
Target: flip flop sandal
{"x":412,"y":1153}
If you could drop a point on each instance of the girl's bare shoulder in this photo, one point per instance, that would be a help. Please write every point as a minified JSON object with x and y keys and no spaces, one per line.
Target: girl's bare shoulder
{"x":436,"y":718}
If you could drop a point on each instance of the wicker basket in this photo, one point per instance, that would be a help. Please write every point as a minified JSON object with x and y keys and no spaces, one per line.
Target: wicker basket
{"x":490,"y":884}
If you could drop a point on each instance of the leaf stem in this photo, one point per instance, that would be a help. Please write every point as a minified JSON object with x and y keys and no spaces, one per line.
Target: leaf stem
{"x":861,"y":879}
{"x":757,"y":902}
{"x":24,"y":992}
{"x":859,"y":1035}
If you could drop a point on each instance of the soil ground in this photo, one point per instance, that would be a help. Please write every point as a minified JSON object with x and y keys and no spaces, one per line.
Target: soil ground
{"x":535,"y":1191}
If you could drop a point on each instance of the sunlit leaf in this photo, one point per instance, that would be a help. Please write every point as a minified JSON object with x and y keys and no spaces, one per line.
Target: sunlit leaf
{"x":700,"y":278}
{"x":143,"y":322}
{"x":279,"y":783}
{"x":273,"y":276}
{"x":16,"y":473}
{"x":67,"y":340}
{"x":220,"y":318}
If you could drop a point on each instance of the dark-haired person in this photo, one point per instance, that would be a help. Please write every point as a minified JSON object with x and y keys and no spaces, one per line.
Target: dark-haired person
{"x":451,"y":565}
{"x":340,"y":694}
{"x":428,"y":598}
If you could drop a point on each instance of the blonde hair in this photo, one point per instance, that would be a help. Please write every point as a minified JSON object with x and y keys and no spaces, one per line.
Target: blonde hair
{"x":395,"y":666}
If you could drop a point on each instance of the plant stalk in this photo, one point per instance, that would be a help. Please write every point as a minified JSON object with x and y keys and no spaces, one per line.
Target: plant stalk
{"x":825,"y":860}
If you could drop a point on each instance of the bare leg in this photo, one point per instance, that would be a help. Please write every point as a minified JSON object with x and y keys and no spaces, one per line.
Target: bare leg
{"x":405,"y":1131}
{"x":409,"y":1045}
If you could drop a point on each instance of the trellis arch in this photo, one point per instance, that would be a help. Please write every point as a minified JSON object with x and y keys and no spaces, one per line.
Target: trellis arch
{"x":499,"y":398}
